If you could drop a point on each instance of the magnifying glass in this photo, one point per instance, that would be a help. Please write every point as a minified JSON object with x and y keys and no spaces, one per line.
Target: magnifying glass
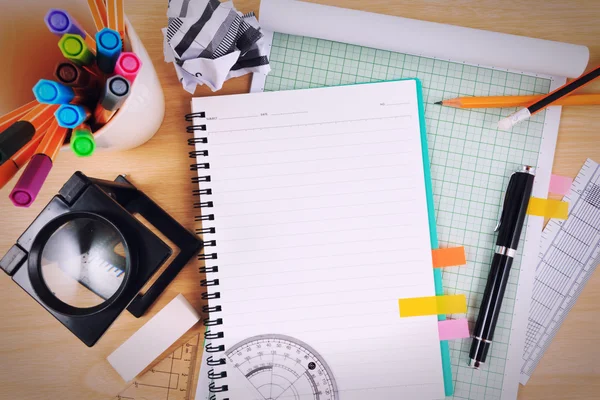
{"x":86,"y":257}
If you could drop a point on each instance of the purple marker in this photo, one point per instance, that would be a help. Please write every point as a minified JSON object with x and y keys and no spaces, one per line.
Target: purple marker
{"x":60,"y":22}
{"x":31,"y":181}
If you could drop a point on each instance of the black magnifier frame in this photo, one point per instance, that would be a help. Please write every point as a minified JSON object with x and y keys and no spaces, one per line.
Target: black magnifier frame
{"x":35,"y":265}
{"x":107,"y":205}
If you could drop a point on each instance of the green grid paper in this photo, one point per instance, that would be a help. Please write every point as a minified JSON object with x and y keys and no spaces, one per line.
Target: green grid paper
{"x":470,"y":164}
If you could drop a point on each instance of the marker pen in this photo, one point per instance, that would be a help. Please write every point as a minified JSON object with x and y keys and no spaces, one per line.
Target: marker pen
{"x":10,"y":168}
{"x":71,"y":115}
{"x":76,"y":50}
{"x":98,"y":10}
{"x":50,"y":92}
{"x":108,"y":49}
{"x":13,"y":116}
{"x":17,"y":135}
{"x":128,"y":66}
{"x":72,"y":75}
{"x":82,"y":141}
{"x":31,"y":181}
{"x":115,"y":92}
{"x":60,"y":22}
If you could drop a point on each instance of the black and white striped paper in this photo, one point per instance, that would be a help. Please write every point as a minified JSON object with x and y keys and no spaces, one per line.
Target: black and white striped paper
{"x":209,"y":42}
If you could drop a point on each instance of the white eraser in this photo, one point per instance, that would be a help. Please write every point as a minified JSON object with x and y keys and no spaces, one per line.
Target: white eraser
{"x":510,"y":121}
{"x":144,"y":346}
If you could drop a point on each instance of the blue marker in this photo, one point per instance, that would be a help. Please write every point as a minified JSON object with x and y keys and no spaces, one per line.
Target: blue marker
{"x":60,"y":22}
{"x":71,"y":115}
{"x":108,"y":49}
{"x":50,"y":92}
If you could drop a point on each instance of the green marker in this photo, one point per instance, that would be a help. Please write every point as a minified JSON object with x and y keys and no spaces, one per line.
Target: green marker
{"x":82,"y":142}
{"x":75,"y":49}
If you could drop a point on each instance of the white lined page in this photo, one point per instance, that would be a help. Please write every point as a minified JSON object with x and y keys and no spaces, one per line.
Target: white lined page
{"x":321,"y":226}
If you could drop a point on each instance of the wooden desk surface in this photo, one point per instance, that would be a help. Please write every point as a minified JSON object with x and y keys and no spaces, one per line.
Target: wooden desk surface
{"x":39,"y":359}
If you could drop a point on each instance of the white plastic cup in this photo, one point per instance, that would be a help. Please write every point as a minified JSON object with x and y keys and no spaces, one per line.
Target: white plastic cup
{"x":30,"y":52}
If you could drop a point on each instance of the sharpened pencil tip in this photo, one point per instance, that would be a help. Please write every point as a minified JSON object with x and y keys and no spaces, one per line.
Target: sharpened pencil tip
{"x":439,"y":103}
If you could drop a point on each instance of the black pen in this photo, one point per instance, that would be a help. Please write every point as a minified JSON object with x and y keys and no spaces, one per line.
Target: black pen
{"x":509,"y":230}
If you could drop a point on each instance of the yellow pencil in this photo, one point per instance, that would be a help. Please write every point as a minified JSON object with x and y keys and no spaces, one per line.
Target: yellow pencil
{"x":98,"y":10}
{"x":518,"y":101}
{"x":115,"y":10}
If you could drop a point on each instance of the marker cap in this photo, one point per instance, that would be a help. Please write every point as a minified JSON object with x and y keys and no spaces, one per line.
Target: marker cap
{"x":115,"y":92}
{"x":71,"y":115}
{"x":74,"y":48}
{"x":14,"y":137}
{"x":108,"y":49}
{"x":72,"y":75}
{"x":60,"y":22}
{"x":31,"y":181}
{"x":50,"y":92}
{"x":82,"y":142}
{"x":128,"y":65}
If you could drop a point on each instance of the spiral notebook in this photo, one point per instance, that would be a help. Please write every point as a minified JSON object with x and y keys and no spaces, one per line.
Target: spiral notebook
{"x":315,"y":218}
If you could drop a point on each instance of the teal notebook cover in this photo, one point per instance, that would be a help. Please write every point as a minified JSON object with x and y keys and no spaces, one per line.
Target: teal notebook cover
{"x":437,"y":273}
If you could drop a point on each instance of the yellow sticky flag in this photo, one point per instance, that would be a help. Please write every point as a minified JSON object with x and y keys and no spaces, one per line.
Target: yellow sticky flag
{"x":432,"y":305}
{"x":548,"y":208}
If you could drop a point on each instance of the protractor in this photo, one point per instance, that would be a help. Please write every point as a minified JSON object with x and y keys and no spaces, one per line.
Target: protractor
{"x":282,"y":367}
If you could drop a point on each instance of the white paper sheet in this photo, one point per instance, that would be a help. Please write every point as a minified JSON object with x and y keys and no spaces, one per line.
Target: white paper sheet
{"x":321,"y":225}
{"x":428,"y":39}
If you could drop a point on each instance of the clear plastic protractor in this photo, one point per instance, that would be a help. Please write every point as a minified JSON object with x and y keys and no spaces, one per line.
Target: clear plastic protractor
{"x":282,"y":367}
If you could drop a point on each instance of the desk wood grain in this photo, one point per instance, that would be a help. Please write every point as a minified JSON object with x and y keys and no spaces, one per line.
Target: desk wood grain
{"x":39,"y":359}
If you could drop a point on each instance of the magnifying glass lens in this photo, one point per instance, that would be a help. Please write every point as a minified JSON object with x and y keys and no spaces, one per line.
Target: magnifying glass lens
{"x":84,"y":262}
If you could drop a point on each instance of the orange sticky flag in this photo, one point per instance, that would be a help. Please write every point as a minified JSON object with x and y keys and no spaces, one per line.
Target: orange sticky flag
{"x":449,"y":257}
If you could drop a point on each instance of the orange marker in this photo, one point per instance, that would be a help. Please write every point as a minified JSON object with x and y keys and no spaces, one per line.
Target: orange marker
{"x":13,"y":116}
{"x":115,"y":11}
{"x":31,"y":181}
{"x":98,"y":10}
{"x":10,"y":168}
{"x":52,"y":141}
{"x":102,"y":116}
{"x":19,"y":133}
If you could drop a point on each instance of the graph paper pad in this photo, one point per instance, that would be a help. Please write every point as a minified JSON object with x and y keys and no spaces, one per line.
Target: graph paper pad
{"x":569,"y":254}
{"x":470,"y":162}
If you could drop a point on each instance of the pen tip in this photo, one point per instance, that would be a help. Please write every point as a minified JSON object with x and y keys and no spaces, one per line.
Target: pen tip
{"x":439,"y":103}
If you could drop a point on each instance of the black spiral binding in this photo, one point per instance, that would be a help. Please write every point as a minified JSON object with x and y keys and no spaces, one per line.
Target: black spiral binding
{"x":216,"y":351}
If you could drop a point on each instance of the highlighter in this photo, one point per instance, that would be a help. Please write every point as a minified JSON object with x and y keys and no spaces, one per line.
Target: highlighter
{"x":31,"y":181}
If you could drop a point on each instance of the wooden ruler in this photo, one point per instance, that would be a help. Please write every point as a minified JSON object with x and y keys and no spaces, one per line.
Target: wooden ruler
{"x":173,"y":378}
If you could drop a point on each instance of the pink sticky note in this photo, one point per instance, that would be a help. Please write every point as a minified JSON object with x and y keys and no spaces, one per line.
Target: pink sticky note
{"x":453,"y":329}
{"x":560,"y":184}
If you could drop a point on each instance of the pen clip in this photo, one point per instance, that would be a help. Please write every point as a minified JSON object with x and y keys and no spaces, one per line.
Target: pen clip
{"x":508,"y":189}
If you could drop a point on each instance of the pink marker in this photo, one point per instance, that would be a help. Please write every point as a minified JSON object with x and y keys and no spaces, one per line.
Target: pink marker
{"x":31,"y":181}
{"x":128,"y":66}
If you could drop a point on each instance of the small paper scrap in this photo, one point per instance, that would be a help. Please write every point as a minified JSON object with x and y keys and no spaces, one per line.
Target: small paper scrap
{"x":210,"y":42}
{"x":560,"y":184}
{"x":451,"y":329}
{"x":432,"y":305}
{"x":548,"y":208}
{"x":448,"y":257}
